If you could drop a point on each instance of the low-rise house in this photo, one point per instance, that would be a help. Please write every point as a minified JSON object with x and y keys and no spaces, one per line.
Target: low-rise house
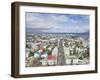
{"x":37,"y":54}
{"x":71,"y":60}
{"x":43,"y":62}
{"x":55,"y":53}
{"x":51,"y":60}
{"x":66,"y":51}
{"x":44,"y":55}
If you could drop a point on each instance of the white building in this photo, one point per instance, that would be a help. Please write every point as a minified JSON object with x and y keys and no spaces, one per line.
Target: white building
{"x":66,"y":51}
{"x":72,"y":60}
{"x":55,"y":53}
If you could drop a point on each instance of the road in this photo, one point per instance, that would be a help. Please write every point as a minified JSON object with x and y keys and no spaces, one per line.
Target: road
{"x":61,"y":55}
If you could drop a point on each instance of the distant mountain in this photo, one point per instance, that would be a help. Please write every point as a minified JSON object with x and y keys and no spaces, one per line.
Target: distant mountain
{"x":84,"y":35}
{"x":31,"y":30}
{"x":40,"y":30}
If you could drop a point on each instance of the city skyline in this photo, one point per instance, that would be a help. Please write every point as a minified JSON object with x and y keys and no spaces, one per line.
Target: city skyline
{"x":57,"y":23}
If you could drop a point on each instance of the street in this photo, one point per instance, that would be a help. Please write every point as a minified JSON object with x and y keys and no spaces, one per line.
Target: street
{"x":61,"y":56}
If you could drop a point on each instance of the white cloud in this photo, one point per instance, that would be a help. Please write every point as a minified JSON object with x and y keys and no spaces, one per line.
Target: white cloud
{"x":55,"y":23}
{"x":47,"y":22}
{"x":61,"y":18}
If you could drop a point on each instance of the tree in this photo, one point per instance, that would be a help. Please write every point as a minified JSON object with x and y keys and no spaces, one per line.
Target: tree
{"x":31,"y":54}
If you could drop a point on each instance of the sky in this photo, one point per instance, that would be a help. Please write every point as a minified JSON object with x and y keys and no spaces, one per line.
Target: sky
{"x":57,"y":23}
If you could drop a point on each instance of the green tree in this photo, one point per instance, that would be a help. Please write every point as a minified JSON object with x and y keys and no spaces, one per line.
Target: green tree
{"x":31,"y":54}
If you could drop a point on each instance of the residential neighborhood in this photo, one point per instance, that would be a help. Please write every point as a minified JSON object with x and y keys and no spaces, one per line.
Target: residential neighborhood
{"x":52,"y":49}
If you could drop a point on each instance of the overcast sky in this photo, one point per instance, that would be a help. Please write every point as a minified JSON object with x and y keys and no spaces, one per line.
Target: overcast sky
{"x":57,"y":23}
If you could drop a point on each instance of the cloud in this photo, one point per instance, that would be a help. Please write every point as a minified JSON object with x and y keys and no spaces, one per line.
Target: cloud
{"x":48,"y":22}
